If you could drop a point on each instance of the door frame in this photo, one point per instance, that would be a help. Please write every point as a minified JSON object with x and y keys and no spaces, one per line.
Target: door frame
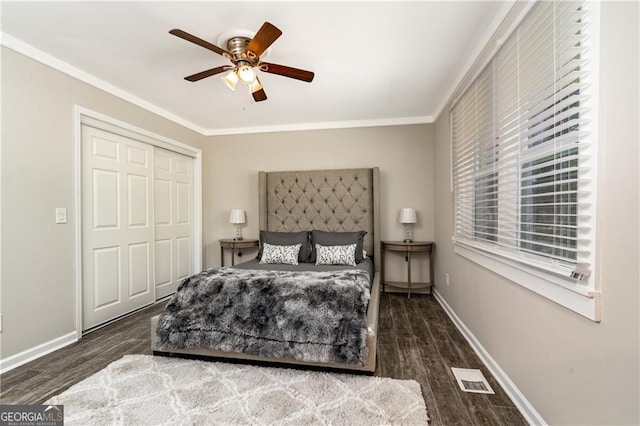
{"x":86,"y":116}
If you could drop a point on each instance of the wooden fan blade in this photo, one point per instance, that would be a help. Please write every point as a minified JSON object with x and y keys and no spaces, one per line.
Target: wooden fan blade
{"x":208,"y":73}
{"x":259,"y":95}
{"x":257,"y":91}
{"x":296,"y":73}
{"x":265,"y":36}
{"x":200,"y":42}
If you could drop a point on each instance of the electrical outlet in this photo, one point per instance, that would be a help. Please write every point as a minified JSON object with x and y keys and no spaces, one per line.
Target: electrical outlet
{"x":446,"y":278}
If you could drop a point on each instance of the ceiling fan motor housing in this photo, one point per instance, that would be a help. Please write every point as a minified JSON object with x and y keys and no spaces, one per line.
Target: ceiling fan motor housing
{"x":237,"y":47}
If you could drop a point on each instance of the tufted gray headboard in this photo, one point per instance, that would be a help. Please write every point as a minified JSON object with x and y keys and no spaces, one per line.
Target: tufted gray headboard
{"x":327,"y":200}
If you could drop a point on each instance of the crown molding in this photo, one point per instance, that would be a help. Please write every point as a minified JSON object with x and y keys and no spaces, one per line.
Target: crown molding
{"x":296,"y":127}
{"x":38,"y":55}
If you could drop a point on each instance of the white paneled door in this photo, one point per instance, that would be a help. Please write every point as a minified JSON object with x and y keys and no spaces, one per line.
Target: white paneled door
{"x":173,"y":212}
{"x":137,"y":226}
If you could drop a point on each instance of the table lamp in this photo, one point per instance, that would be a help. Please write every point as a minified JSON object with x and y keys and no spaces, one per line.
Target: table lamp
{"x":237,"y":218}
{"x":408,"y":218}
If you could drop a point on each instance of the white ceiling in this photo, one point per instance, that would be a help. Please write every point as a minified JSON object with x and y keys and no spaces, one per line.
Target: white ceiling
{"x":374,"y":62}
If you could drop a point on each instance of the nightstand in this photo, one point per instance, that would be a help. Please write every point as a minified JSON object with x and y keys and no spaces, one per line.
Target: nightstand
{"x":407,"y":249}
{"x":235,"y":245}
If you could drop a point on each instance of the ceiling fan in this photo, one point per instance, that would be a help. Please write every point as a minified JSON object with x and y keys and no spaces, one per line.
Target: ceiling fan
{"x":244,"y":52}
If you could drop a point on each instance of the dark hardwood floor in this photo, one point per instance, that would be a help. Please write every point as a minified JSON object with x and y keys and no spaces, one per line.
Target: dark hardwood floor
{"x":416,"y":341}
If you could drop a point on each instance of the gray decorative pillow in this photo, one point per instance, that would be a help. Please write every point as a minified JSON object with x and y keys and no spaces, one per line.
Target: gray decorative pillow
{"x":336,"y":255}
{"x":325,"y":238}
{"x":287,"y":239}
{"x":280,"y":254}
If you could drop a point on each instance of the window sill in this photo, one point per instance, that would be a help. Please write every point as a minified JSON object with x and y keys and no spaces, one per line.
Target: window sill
{"x":585,"y":303}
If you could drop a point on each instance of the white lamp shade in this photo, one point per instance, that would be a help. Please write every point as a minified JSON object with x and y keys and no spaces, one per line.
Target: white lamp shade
{"x":408,"y":215}
{"x":231,"y":80}
{"x":236,"y":216}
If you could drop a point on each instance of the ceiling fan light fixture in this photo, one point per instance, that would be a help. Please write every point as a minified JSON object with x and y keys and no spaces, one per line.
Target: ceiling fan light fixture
{"x":246,"y":74}
{"x":231,"y":80}
{"x":255,"y":86}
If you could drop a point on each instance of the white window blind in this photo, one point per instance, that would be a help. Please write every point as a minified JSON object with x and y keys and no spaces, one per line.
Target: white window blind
{"x":521,"y":146}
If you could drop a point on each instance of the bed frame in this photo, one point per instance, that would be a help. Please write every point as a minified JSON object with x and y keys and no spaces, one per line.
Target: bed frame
{"x":328,"y":200}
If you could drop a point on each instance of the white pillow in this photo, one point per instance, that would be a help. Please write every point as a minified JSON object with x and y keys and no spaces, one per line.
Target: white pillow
{"x":280,"y":254}
{"x":336,"y":255}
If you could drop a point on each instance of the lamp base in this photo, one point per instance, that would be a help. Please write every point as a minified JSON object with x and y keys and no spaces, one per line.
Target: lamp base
{"x":408,"y":233}
{"x":238,"y":236}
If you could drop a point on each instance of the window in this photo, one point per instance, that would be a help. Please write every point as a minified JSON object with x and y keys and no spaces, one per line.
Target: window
{"x":522,"y":150}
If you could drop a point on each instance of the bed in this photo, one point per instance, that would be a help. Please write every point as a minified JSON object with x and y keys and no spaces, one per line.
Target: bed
{"x":325,"y":205}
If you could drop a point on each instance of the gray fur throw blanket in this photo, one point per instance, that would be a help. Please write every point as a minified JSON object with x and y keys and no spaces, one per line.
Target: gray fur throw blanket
{"x":308,"y":316}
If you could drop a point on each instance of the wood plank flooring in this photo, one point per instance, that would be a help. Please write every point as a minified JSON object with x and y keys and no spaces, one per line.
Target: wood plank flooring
{"x":416,"y":341}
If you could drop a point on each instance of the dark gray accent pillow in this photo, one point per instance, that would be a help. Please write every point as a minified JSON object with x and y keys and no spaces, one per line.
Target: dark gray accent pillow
{"x":287,"y":239}
{"x":325,"y":238}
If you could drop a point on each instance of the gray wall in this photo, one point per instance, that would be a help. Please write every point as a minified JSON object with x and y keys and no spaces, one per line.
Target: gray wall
{"x":403,"y":153}
{"x":573,"y":370}
{"x":38,"y":289}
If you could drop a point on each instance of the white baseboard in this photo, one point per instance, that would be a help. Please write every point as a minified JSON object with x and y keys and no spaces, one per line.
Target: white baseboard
{"x":519,"y":400}
{"x":36,"y":352}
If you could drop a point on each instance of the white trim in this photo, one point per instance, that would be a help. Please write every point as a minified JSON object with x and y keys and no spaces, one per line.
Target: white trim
{"x":477,"y":53}
{"x":77,"y":215}
{"x":104,"y":122}
{"x":598,"y":139}
{"x":36,"y":352}
{"x":555,"y":272}
{"x":586,"y":304}
{"x":59,"y":65}
{"x":483,"y":58}
{"x":293,"y":127}
{"x":88,"y":117}
{"x":519,"y":400}
{"x":197,"y":213}
{"x":451,"y":155}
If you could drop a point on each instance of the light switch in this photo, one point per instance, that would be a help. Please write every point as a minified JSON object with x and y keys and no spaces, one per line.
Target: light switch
{"x":61,"y":215}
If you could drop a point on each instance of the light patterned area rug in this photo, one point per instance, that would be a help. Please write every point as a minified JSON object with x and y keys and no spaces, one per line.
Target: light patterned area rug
{"x":143,"y":389}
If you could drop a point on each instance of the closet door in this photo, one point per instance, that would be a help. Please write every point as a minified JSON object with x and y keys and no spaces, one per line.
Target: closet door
{"x":173,"y":212}
{"x":117,"y":226}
